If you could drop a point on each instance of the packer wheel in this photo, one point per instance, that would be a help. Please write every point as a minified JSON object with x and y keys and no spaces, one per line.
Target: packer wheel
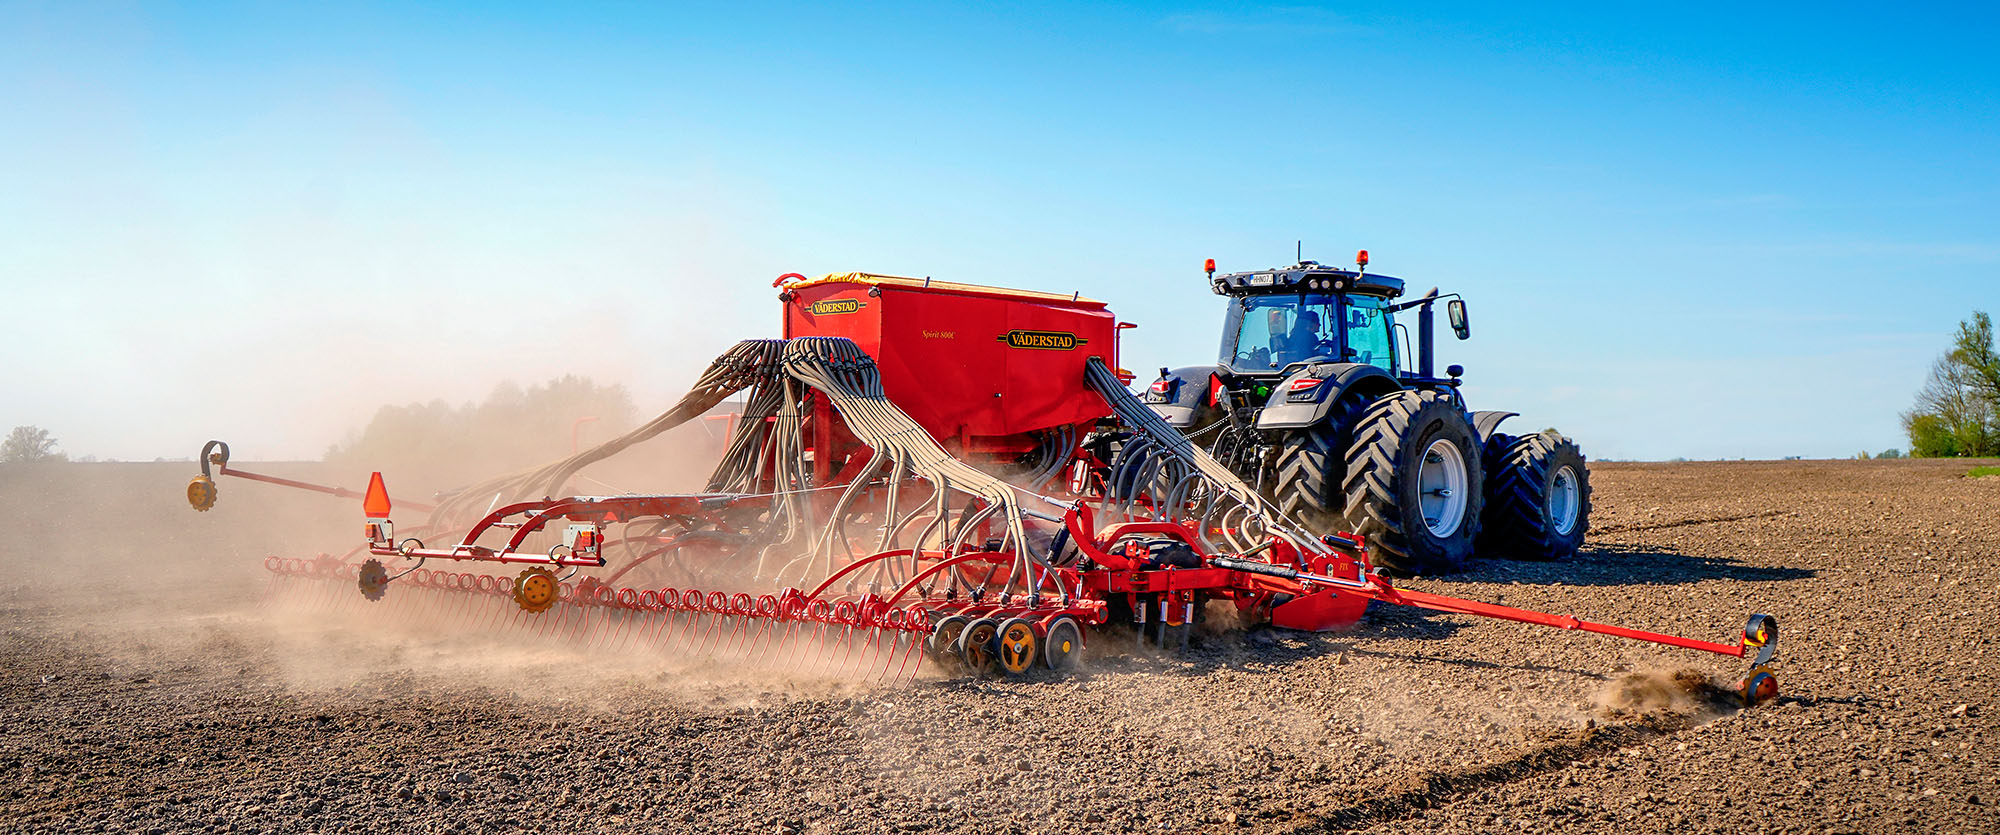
{"x":1018,"y":646}
{"x":976,"y":646}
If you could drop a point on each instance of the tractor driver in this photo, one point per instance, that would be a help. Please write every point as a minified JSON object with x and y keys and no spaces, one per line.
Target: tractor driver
{"x":1302,"y":342}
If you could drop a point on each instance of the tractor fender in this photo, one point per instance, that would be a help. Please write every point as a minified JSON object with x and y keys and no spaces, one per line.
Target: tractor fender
{"x":1181,"y":395}
{"x":1483,"y":423}
{"x":1290,"y":409}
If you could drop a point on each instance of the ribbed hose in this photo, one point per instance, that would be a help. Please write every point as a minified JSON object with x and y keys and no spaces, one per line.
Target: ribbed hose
{"x":847,"y":376}
{"x":1230,"y":504}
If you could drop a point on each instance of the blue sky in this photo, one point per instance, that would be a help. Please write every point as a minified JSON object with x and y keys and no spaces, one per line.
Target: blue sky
{"x":1716,"y":232}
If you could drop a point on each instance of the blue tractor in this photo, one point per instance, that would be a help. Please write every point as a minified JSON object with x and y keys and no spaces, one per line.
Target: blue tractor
{"x":1318,"y":400}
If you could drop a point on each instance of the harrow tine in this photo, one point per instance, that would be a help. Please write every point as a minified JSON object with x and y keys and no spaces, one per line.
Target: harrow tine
{"x":849,"y":640}
{"x":322,"y":595}
{"x":886,"y":656}
{"x":781,"y":632}
{"x":824,"y":637}
{"x":550,"y":618}
{"x":753,"y":648}
{"x":669,"y":625}
{"x":663,"y":620}
{"x":832,"y":647}
{"x":497,"y":612}
{"x":640,"y":638}
{"x":711,"y":634}
{"x":468,"y":599}
{"x":610,"y":639}
{"x":739,"y":640}
{"x":635,"y":625}
{"x":899,"y":649}
{"x":908,"y":671}
{"x":685,"y":640}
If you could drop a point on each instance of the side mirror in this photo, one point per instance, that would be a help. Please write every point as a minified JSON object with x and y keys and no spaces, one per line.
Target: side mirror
{"x":1455,"y":311}
{"x":1454,"y":371}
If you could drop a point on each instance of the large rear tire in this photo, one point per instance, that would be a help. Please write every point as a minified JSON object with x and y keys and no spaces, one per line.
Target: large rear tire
{"x":1413,"y":483}
{"x":1537,"y":498}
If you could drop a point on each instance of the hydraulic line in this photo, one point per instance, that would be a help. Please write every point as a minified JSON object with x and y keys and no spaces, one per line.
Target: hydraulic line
{"x":848,"y":378}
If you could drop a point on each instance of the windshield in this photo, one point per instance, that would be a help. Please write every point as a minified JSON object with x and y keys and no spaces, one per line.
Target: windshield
{"x":1278,"y":330}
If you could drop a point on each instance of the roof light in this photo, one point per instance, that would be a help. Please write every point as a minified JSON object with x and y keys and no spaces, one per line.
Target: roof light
{"x":1361,"y":258}
{"x":375,"y":503}
{"x":1209,"y":265}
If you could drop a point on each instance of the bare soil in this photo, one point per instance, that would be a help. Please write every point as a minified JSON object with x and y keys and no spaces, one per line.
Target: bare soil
{"x":142,"y":691}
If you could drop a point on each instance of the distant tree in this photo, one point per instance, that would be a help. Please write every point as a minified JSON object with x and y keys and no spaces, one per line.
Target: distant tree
{"x":28,"y":444}
{"x":443,"y":445}
{"x":1890,"y":453}
{"x":1862,"y":455}
{"x":1958,"y":410}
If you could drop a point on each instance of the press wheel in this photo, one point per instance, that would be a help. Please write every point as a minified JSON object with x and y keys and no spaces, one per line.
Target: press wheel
{"x":1017,"y":646}
{"x":944,"y":636}
{"x":976,"y":647}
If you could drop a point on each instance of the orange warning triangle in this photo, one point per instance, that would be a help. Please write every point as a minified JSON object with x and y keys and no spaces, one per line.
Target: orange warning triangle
{"x":376,"y":503}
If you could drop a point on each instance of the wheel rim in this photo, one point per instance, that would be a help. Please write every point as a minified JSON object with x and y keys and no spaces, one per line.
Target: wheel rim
{"x":1563,"y":504}
{"x":1441,"y":488}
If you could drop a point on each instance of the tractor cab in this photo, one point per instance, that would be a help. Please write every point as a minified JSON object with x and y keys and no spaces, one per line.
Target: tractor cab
{"x":1307,"y":313}
{"x":1296,"y":338}
{"x":1267,"y":333}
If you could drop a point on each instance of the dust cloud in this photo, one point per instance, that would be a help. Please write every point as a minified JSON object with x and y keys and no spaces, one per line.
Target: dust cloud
{"x":1654,"y":692}
{"x":115,"y":559}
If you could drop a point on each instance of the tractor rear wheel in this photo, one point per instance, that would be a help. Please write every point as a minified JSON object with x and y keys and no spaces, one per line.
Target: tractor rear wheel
{"x":1413,"y":483}
{"x":1537,"y":498}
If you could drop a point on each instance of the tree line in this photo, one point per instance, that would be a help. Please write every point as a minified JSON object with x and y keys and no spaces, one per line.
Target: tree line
{"x":1957,"y":413}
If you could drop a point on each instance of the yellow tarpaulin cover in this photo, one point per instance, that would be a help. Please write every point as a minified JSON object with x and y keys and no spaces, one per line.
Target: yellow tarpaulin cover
{"x":949,"y":286}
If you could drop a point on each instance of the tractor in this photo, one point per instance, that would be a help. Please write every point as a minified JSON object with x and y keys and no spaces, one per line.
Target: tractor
{"x":1317,"y":399}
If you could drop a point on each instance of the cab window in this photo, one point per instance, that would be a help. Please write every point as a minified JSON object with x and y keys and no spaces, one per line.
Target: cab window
{"x":1369,"y":336}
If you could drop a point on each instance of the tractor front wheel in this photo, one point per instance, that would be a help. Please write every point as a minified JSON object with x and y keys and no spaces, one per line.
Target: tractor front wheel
{"x":1413,"y":484}
{"x":1307,"y":474}
{"x":1537,"y":498}
{"x":1306,"y":487}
